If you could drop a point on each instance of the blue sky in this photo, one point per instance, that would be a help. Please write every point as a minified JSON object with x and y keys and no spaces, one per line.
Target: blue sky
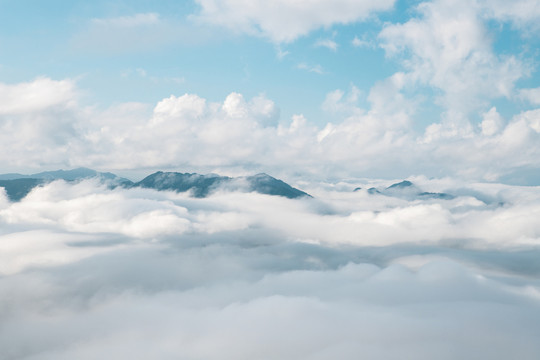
{"x":62,"y":40}
{"x":409,"y":73}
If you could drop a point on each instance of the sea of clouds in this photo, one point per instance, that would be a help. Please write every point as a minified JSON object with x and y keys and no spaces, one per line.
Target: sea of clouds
{"x":87,"y":272}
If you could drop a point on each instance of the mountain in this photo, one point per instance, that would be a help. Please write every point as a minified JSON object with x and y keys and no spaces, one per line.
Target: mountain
{"x":13,"y":176}
{"x":203,"y":185}
{"x":68,"y":175}
{"x":16,"y":189}
{"x":266,"y":184}
{"x":430,"y":195}
{"x":401,"y":185}
{"x":200,"y":185}
{"x":407,"y":190}
{"x":72,"y":175}
{"x":17,"y":186}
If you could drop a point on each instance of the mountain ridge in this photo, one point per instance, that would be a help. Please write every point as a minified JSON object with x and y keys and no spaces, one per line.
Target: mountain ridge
{"x":408,"y":190}
{"x":17,"y":186}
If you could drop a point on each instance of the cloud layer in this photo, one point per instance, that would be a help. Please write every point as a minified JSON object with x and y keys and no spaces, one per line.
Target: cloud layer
{"x":93,"y":272}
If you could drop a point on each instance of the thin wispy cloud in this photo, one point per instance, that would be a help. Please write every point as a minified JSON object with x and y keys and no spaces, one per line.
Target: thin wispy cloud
{"x":327,"y":43}
{"x":530,"y":95}
{"x":143,"y":19}
{"x":280,"y":53}
{"x":362,"y":42}
{"x":318,"y":69}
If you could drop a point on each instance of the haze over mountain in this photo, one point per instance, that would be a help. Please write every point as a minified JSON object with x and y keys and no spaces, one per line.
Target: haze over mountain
{"x":68,"y":175}
{"x":408,"y":190}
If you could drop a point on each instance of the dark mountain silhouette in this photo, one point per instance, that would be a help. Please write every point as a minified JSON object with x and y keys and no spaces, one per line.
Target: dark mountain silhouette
{"x":431,"y":195}
{"x":200,"y":185}
{"x":266,"y":184}
{"x":16,"y":189}
{"x":18,"y":186}
{"x":401,"y":185}
{"x":203,"y":185}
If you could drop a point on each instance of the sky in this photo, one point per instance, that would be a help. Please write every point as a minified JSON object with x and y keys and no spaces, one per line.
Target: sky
{"x":335,"y":97}
{"x":300,"y":89}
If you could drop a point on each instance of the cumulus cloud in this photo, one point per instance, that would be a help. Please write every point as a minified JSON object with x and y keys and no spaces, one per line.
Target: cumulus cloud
{"x":238,"y":134}
{"x":38,"y":120}
{"x":524,"y":14}
{"x":448,"y":48}
{"x":94,"y":272}
{"x":492,"y":122}
{"x":284,"y":21}
{"x":41,"y":94}
{"x":338,"y":101}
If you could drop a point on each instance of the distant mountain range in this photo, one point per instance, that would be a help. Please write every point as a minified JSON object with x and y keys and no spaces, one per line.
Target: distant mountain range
{"x":68,"y":175}
{"x":408,"y":190}
{"x":17,"y":186}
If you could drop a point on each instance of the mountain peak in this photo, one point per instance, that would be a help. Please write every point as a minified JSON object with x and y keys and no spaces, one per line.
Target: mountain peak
{"x":401,"y":185}
{"x":202,"y":185}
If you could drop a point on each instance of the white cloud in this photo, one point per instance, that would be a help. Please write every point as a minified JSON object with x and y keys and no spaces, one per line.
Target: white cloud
{"x":280,"y":53}
{"x":38,"y":95}
{"x":187,"y":105}
{"x":448,"y":48}
{"x":524,"y":14}
{"x":336,"y":101}
{"x":530,"y":95}
{"x":284,"y":21}
{"x":327,"y":43}
{"x":362,"y":42}
{"x":135,"y":33}
{"x":143,"y":19}
{"x":240,"y":135}
{"x":93,"y":273}
{"x":38,"y":120}
{"x":318,"y":69}
{"x":492,"y":122}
